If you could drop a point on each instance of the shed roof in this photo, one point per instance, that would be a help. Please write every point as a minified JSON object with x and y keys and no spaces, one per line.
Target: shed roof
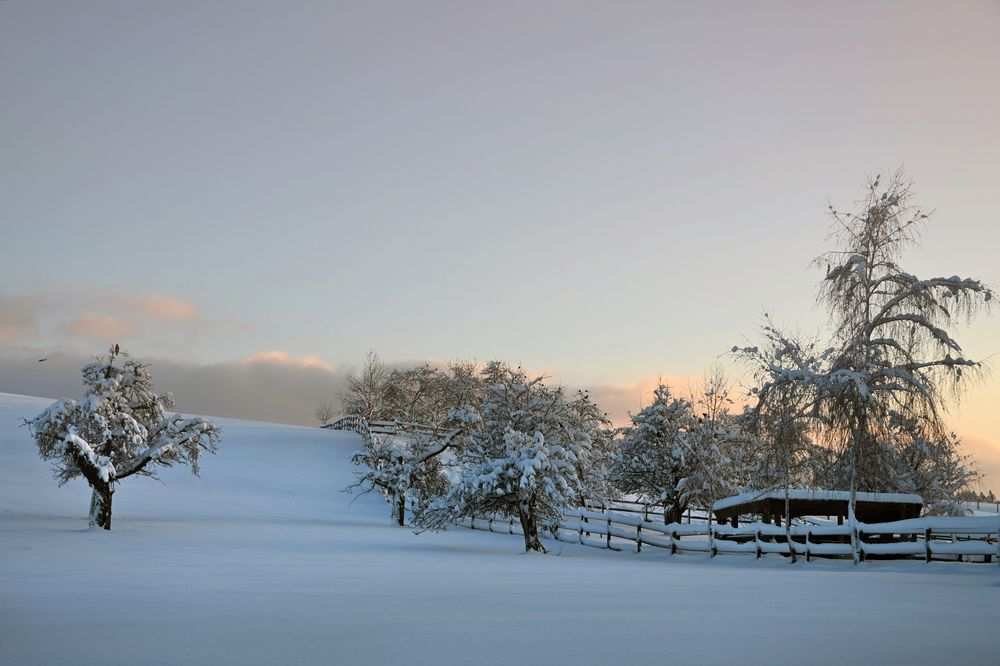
{"x":799,"y":494}
{"x":870,"y":507}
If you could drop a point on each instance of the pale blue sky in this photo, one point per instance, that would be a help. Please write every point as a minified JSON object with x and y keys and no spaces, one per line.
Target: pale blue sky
{"x":608,"y":191}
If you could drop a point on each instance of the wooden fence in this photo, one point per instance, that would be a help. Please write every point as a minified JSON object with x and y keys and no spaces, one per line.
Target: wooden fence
{"x":973,"y":539}
{"x":367,"y":428}
{"x":353,"y":423}
{"x":649,"y":512}
{"x":986,"y":507}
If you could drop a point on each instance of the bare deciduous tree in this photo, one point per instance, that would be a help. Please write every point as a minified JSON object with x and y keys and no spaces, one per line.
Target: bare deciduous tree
{"x":325,"y":412}
{"x":367,"y":393}
{"x":882,"y":384}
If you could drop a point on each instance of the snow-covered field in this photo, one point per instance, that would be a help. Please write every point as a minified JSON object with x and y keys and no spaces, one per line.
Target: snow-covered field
{"x":264,"y":560}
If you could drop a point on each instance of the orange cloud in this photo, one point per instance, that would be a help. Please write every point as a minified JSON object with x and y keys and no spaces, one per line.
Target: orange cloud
{"x":620,"y":400}
{"x":986,"y":452}
{"x":158,"y":306}
{"x":284,"y":358}
{"x":18,"y":316}
{"x":103,"y":327}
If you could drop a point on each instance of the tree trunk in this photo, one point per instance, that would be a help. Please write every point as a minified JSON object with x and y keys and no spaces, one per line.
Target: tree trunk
{"x":788,"y":521}
{"x":673,"y":513}
{"x":92,"y":516}
{"x":852,"y":503}
{"x":400,"y":509}
{"x":100,"y":506}
{"x":530,"y":528}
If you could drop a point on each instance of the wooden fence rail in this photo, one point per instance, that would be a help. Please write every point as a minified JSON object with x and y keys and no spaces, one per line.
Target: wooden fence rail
{"x":367,"y":428}
{"x":649,"y":512}
{"x":989,"y":507}
{"x":973,"y":539}
{"x":353,"y":423}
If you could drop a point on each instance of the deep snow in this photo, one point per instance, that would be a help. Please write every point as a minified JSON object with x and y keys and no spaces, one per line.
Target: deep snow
{"x":264,"y":560}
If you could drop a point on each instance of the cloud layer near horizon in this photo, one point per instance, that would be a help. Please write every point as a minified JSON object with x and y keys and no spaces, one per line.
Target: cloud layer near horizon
{"x":270,"y":386}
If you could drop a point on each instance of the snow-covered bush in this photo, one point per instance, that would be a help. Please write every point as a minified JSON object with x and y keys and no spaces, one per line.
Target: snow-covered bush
{"x":120,"y":428}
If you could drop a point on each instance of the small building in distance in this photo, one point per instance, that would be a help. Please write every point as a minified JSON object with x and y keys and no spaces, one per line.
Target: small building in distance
{"x":770,"y":506}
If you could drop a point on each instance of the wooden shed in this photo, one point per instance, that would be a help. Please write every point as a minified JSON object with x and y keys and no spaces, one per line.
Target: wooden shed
{"x":770,"y":506}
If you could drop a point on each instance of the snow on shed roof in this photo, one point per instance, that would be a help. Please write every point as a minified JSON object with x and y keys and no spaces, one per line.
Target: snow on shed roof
{"x":815,"y":495}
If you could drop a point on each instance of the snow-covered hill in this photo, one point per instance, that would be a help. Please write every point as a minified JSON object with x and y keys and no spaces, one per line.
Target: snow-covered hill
{"x":264,"y":560}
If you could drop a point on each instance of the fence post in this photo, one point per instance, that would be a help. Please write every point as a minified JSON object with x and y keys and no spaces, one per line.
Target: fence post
{"x":491,"y":524}
{"x":609,"y":532}
{"x":512,"y":524}
{"x":756,"y":542}
{"x":588,"y":522}
{"x":473,"y":521}
{"x":808,"y":556}
{"x":711,"y":538}
{"x":673,"y":542}
{"x":998,"y":542}
{"x":638,"y":538}
{"x":927,"y":545}
{"x":855,"y":546}
{"x":581,"y":528}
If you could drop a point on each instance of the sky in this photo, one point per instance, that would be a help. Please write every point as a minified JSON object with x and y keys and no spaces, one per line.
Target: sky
{"x":254,"y":194}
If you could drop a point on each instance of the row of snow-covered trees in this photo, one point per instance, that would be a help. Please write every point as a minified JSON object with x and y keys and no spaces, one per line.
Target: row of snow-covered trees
{"x":861,"y":411}
{"x":513,"y":446}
